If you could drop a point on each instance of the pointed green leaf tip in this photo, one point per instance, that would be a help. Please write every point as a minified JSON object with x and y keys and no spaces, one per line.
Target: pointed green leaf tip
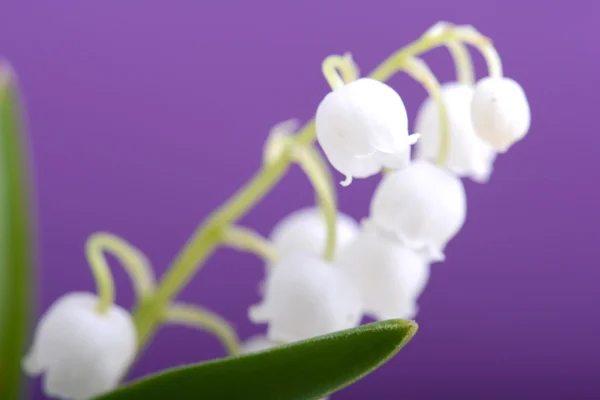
{"x":305,"y":370}
{"x":16,"y":238}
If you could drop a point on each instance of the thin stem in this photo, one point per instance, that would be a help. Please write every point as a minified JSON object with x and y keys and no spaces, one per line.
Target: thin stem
{"x":438,"y":35}
{"x":314,"y":167}
{"x":279,"y":138}
{"x":484,"y":45}
{"x":419,"y":71}
{"x":133,"y":260}
{"x":348,"y":71}
{"x":204,"y":241}
{"x":462,"y":62}
{"x":197,"y":317}
{"x":245,"y":239}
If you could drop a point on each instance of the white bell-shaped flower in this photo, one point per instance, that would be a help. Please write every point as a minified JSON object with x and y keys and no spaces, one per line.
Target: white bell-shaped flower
{"x":362,"y":127}
{"x":500,"y":112}
{"x":305,"y":232}
{"x":390,"y":276}
{"x":424,"y":205}
{"x":80,"y":352}
{"x":468,"y":155}
{"x":307,"y":297}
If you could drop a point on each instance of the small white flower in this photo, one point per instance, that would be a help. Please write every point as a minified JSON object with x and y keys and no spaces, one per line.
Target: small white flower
{"x":500,"y":112}
{"x":304,"y":231}
{"x":80,"y":352}
{"x":307,"y":297}
{"x":390,"y":275}
{"x":424,"y":205}
{"x":469,"y":155}
{"x":362,"y":127}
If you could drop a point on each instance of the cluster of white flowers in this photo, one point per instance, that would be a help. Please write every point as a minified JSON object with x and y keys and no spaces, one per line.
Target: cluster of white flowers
{"x":382,"y":264}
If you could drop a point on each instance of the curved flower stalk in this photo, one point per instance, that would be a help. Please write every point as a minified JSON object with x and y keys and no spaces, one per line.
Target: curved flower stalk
{"x":465,"y":74}
{"x":468,"y":154}
{"x":308,"y":158}
{"x":244,"y":239}
{"x":200,"y":318}
{"x":133,"y":260}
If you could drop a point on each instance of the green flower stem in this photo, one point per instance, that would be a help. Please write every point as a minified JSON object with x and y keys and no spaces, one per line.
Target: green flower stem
{"x":210,"y":234}
{"x":339,"y":70}
{"x":245,"y":239}
{"x":462,"y":62}
{"x":198,"y":317}
{"x":314,"y":167}
{"x":205,"y":240}
{"x":133,"y":260}
{"x":441,"y":34}
{"x":419,"y":71}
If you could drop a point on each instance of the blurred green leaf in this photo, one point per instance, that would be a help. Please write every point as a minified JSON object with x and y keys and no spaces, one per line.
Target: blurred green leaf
{"x":16,"y":245}
{"x":305,"y":370}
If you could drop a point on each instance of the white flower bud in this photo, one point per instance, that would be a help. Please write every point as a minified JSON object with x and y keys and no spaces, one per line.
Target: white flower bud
{"x":500,"y":112}
{"x":390,"y":275}
{"x":81,"y":353}
{"x":424,"y":205}
{"x":307,"y":297}
{"x":363,"y":127}
{"x":468,"y":155}
{"x":304,"y":231}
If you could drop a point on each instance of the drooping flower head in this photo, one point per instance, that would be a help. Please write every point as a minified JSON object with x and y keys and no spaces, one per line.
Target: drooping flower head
{"x":468,"y":155}
{"x":362,"y":127}
{"x":390,"y":275}
{"x":424,"y":205}
{"x":80,"y":352}
{"x":306,"y":297}
{"x":500,"y":112}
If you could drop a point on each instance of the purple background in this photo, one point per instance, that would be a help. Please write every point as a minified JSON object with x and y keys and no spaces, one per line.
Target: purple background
{"x":145,"y":115}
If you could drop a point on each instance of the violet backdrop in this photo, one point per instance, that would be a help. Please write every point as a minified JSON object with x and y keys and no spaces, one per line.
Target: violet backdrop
{"x":145,"y":115}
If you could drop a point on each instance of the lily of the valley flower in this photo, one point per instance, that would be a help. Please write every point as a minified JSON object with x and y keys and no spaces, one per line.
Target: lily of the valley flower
{"x":304,"y":232}
{"x":362,"y":127}
{"x":390,"y":275}
{"x":80,"y":352}
{"x":306,"y":297}
{"x":469,"y":155}
{"x":500,"y":112}
{"x":424,"y":205}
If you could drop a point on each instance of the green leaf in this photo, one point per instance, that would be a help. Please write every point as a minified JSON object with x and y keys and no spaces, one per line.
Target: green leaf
{"x":305,"y":370}
{"x":16,"y":239}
